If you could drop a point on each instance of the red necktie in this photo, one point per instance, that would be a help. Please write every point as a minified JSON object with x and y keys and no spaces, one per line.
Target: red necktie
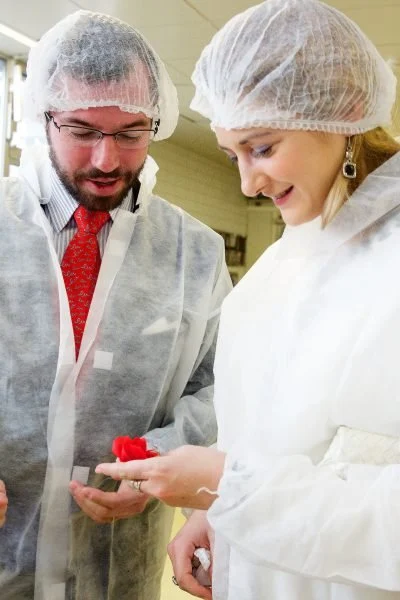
{"x":80,"y":267}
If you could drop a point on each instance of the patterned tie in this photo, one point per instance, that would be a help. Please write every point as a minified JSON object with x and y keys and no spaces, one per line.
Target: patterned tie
{"x":80,"y":267}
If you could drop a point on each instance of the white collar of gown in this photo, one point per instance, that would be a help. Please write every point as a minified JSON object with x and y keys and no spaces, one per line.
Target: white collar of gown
{"x":378,"y":194}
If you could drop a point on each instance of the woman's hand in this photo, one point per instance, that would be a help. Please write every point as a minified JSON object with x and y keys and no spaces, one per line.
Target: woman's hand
{"x":196,"y":533}
{"x":3,"y":503}
{"x":176,"y":478}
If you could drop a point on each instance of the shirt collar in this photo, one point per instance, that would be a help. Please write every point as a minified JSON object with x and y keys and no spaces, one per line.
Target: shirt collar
{"x":62,"y":205}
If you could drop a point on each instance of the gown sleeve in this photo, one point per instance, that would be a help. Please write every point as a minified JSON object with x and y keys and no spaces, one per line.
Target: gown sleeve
{"x":190,"y":418}
{"x":339,"y":522}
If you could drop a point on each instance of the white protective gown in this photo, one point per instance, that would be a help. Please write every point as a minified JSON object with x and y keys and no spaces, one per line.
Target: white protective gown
{"x":309,"y":341}
{"x":145,"y":367}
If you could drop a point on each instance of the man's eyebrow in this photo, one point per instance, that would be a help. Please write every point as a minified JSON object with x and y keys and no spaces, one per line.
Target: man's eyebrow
{"x":139,"y":123}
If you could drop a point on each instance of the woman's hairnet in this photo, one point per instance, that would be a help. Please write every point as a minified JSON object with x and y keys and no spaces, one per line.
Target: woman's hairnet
{"x":293,"y":64}
{"x":90,"y":59}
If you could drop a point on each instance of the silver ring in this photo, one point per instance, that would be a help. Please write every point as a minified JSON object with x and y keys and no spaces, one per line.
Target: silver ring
{"x":136,"y":483}
{"x":174,"y":581}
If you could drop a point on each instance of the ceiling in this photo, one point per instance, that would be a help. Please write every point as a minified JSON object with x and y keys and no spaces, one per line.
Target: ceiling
{"x":179,"y":29}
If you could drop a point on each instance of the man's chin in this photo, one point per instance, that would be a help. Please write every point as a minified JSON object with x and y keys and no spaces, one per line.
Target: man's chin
{"x":100,"y":202}
{"x":106,"y":203}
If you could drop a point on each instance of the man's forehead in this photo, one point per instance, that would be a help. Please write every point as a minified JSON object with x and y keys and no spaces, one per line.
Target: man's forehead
{"x":103,"y":117}
{"x":133,"y":90}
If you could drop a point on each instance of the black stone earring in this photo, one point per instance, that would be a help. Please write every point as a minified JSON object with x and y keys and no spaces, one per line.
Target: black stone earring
{"x":349,"y":169}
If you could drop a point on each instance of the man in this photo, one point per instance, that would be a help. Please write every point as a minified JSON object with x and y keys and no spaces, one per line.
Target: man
{"x":109,"y":301}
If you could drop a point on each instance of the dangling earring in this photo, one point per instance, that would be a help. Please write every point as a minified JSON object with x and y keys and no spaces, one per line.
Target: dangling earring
{"x":349,"y":169}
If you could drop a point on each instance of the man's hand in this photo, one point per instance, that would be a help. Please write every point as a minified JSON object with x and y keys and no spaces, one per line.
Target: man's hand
{"x":197,"y":533}
{"x":176,"y":478}
{"x":104,"y":507}
{"x":3,"y":503}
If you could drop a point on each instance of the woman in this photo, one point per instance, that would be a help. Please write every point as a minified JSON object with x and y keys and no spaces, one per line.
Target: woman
{"x":307,"y":378}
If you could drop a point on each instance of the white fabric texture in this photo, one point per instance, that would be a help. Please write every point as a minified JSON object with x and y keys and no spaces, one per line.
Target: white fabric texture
{"x":355,"y":446}
{"x":293,"y":64}
{"x":56,"y":414}
{"x":90,"y":59}
{"x":308,"y":343}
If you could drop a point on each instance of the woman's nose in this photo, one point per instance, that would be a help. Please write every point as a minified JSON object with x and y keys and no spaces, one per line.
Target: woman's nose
{"x":253,"y":178}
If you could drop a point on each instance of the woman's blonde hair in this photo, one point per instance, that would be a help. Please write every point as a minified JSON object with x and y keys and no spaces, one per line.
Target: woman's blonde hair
{"x":370,"y":150}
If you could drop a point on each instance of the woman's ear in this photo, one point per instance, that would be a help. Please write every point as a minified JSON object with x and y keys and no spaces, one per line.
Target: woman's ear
{"x":355,"y":112}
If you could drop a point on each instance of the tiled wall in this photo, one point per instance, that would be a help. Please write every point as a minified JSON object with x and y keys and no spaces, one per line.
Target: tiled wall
{"x":207,"y":190}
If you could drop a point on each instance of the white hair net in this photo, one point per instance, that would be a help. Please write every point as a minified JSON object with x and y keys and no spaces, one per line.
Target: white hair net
{"x":293,"y":64}
{"x":90,"y":59}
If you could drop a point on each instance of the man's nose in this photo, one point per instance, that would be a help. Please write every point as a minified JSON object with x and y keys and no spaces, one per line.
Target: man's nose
{"x":106,"y":155}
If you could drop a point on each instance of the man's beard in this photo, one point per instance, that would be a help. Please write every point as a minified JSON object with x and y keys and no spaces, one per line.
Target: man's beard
{"x":91,"y":201}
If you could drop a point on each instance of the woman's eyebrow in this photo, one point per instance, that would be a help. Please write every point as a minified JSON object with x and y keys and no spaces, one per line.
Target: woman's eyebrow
{"x":247,"y":139}
{"x":254,"y":136}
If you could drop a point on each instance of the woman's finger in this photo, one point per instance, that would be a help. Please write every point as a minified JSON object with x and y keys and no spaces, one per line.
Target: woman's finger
{"x":133,"y":469}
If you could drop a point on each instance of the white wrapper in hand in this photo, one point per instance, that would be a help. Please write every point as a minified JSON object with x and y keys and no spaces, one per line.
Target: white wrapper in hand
{"x":201,"y":573}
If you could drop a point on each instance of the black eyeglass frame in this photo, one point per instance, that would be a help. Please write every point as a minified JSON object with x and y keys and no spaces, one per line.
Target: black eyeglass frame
{"x":50,"y":118}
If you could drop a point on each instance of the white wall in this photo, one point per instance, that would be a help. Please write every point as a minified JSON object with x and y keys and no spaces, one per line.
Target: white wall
{"x":207,"y":190}
{"x":264,"y":227}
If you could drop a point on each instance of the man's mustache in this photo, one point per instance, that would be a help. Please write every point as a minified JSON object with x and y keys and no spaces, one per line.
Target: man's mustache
{"x":97,"y":174}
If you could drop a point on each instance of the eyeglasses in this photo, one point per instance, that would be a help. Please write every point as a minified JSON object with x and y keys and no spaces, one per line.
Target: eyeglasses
{"x":131,"y":139}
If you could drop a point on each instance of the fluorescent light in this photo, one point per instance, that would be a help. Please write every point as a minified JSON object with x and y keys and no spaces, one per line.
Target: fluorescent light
{"x":18,"y":37}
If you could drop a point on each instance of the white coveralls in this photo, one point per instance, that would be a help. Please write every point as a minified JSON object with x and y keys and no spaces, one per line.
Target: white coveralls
{"x":144,"y":368}
{"x":309,"y":341}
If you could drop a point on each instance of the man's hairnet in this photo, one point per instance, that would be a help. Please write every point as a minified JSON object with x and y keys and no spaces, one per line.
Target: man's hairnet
{"x":89,"y":59}
{"x":293,"y":64}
